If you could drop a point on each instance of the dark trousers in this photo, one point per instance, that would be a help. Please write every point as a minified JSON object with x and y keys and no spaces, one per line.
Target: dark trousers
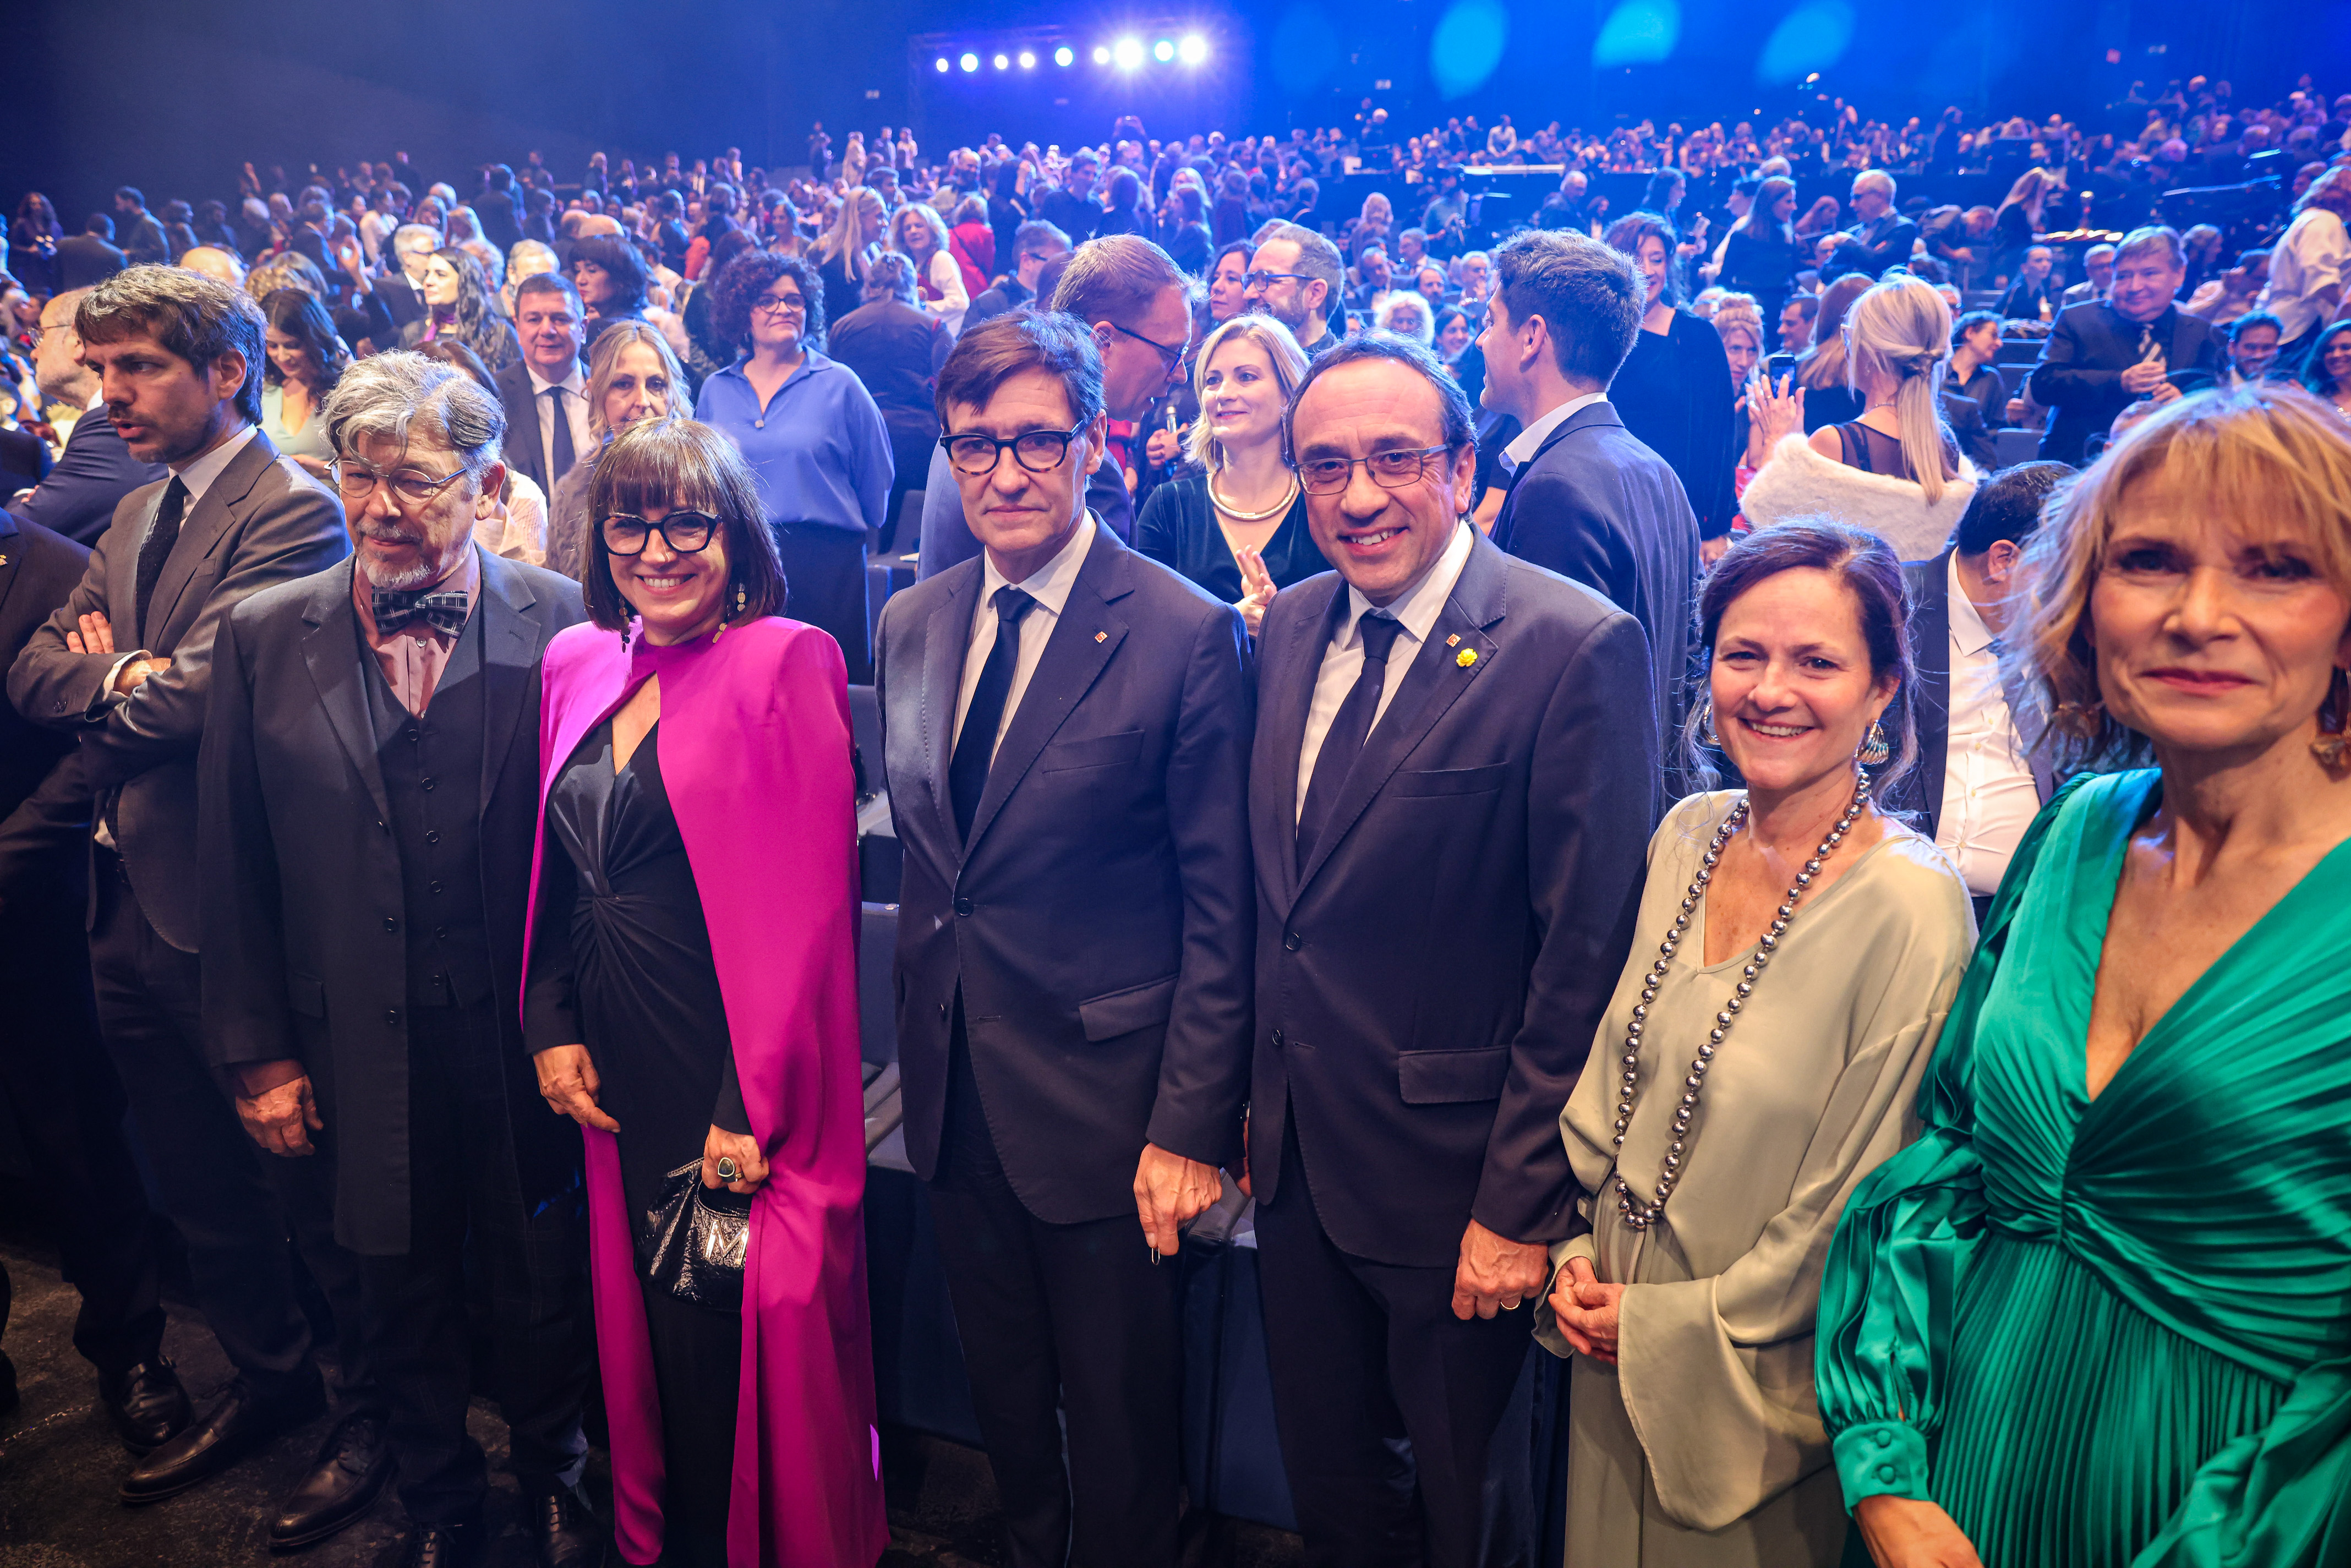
{"x":234,"y":1205}
{"x":824,"y":580}
{"x":65,"y":1105}
{"x":1367,"y":1358}
{"x":461,"y":1181}
{"x":1061,"y":1323}
{"x":698,"y":1373}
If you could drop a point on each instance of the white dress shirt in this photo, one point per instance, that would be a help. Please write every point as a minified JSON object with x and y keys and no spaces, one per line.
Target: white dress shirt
{"x":1416,"y":608}
{"x":575,"y":405}
{"x":1529,"y":441}
{"x":1989,"y":796}
{"x":1049,"y":586}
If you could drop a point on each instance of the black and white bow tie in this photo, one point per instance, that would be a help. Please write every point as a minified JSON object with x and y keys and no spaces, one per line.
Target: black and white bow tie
{"x":444,"y":608}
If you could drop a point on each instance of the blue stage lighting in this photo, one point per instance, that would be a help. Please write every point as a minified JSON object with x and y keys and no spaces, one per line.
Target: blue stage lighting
{"x":970,"y":62}
{"x":1192,"y":49}
{"x":1164,"y":50}
{"x":1128,"y":53}
{"x":1638,"y":33}
{"x":1027,"y":59}
{"x":1468,"y":44}
{"x":942,"y":62}
{"x":1065,"y":56}
{"x":1003,"y":62}
{"x":1101,"y":54}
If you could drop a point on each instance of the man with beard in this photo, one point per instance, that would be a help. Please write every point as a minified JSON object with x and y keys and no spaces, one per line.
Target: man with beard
{"x":1292,"y":279}
{"x":364,"y":911}
{"x":125,"y":664}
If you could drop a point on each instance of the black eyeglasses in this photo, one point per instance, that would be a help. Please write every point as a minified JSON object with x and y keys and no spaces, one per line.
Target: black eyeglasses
{"x":1037,"y":451}
{"x":1170,"y":357}
{"x":682,"y":533}
{"x":781,"y":305}
{"x":1389,"y":470}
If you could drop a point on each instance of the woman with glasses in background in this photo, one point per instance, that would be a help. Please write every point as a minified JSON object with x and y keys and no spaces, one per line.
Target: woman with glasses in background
{"x":813,"y":434}
{"x":692,"y":1003}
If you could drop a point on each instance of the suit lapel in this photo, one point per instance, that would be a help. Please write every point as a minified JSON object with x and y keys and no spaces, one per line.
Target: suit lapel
{"x":331,"y":649}
{"x":202,"y":531}
{"x":1085,"y":636}
{"x":946,"y":641}
{"x":1285,"y":699}
{"x":509,"y":651}
{"x":1430,"y":688}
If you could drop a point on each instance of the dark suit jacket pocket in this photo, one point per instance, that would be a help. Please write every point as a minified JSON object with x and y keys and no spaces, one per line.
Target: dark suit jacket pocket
{"x":306,"y":996}
{"x":1452,"y":1077}
{"x":1101,"y":751}
{"x":1449,"y":780}
{"x":1124,"y":1012}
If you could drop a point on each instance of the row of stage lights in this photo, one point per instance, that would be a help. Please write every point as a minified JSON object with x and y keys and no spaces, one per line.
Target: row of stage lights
{"x":1127,"y":55}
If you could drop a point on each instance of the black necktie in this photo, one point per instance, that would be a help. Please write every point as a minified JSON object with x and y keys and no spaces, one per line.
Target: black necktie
{"x":156,"y":549}
{"x":1350,"y":729}
{"x":975,"y":748}
{"x":564,"y":456}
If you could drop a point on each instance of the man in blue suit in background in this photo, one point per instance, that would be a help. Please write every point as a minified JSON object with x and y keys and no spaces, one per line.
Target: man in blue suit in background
{"x":96,"y":471}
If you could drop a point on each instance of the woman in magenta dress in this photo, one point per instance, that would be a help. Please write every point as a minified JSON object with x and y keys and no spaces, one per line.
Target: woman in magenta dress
{"x":692,"y":998}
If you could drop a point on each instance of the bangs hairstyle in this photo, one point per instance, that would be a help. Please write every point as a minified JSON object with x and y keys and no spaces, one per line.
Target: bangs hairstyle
{"x":1864,"y":564}
{"x":1281,"y":351}
{"x":192,"y":316}
{"x":988,"y":355}
{"x":2269,"y":457}
{"x":686,"y":466}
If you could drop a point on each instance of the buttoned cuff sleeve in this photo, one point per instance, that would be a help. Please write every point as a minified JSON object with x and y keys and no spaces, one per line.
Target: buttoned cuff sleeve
{"x":1881,"y":1458}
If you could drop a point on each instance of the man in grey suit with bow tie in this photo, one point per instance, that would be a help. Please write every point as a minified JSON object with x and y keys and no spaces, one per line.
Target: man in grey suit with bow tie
{"x":1066,"y":728}
{"x":126,"y":665}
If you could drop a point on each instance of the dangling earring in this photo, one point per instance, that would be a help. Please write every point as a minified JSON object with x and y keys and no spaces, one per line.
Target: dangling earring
{"x":627,"y":623}
{"x":2333,"y":719}
{"x":1706,"y":726}
{"x":1875,"y":750}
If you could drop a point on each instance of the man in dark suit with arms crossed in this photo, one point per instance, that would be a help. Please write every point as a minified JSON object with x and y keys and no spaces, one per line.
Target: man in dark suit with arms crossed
{"x":1451,"y":791}
{"x":1586,"y":499}
{"x":126,"y":664}
{"x":1066,"y":726}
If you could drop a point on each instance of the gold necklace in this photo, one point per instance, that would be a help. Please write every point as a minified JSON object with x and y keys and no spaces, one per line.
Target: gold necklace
{"x":1216,"y":500}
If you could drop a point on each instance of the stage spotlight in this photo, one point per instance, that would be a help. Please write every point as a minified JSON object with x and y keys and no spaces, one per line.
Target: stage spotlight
{"x":1128,"y":53}
{"x":1163,"y":51}
{"x":1193,"y":49}
{"x":942,"y":62}
{"x":1002,"y":62}
{"x":970,"y":62}
{"x":1065,"y":56}
{"x":1027,"y":59}
{"x":1101,"y":54}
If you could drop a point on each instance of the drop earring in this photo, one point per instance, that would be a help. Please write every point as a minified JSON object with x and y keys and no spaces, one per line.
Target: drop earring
{"x":1875,"y":750}
{"x":1706,"y":726}
{"x":2334,"y":718}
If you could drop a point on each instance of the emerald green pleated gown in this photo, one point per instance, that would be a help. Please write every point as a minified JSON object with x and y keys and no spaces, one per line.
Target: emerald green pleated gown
{"x":2114,"y":1331}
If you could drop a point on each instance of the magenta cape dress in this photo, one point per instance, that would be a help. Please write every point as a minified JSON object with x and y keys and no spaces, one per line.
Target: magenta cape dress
{"x":755,"y":742}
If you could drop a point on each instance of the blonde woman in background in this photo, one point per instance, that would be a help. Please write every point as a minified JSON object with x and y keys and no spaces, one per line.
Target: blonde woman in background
{"x":849,"y":248}
{"x":1894,"y":469}
{"x":632,"y":376}
{"x":1237,"y":528}
{"x":920,"y":234}
{"x":1408,"y":315}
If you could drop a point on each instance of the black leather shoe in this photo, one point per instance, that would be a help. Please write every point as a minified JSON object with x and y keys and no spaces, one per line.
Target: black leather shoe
{"x":236,"y":1427}
{"x":439,"y":1546}
{"x":569,"y":1534}
{"x":351,"y":1470}
{"x":146,"y":1404}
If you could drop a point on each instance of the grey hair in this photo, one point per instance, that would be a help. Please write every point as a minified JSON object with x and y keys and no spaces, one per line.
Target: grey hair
{"x":398,"y":396}
{"x":1876,"y":180}
{"x":406,"y":231}
{"x":2156,"y":236}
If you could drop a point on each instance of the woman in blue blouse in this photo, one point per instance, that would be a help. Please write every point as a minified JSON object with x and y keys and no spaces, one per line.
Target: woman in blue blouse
{"x":811,"y":434}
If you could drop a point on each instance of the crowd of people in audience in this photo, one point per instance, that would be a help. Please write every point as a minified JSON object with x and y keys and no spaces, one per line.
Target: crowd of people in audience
{"x":1336,"y":645}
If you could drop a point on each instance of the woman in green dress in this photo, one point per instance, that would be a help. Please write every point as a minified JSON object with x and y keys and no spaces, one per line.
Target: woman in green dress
{"x":2097,"y":1314}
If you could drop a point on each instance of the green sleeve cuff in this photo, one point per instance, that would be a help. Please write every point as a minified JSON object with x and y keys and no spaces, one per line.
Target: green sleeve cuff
{"x":1881,"y":1458}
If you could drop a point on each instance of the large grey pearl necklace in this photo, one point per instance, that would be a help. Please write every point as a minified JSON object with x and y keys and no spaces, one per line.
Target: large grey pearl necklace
{"x":1636,"y":1213}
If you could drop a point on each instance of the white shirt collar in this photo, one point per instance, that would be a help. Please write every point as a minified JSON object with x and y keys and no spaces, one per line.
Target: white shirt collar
{"x":575,"y":383}
{"x":1049,"y":584}
{"x":1418,"y":606}
{"x":1530,"y":440}
{"x":198,"y":475}
{"x":96,"y":401}
{"x":1971,"y":634}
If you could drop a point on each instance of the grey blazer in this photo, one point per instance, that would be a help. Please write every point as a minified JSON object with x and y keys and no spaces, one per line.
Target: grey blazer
{"x":263,"y":521}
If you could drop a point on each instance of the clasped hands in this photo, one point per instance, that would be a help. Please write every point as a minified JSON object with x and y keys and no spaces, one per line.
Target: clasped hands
{"x":1587,"y":1311}
{"x":569,"y":1083}
{"x":96,"y":636}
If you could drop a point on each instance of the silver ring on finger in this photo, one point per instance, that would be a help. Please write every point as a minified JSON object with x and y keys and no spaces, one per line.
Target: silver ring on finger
{"x":727,"y":1169}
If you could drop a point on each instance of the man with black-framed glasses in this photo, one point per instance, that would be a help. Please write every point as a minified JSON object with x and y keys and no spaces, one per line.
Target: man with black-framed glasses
{"x":1065,"y":729}
{"x":1452,"y":785}
{"x":369,"y":799}
{"x":1295,"y":277}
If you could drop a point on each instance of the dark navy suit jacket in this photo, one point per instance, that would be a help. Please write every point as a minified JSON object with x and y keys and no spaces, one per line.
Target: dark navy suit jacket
{"x":1097,"y":924}
{"x":96,"y":470}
